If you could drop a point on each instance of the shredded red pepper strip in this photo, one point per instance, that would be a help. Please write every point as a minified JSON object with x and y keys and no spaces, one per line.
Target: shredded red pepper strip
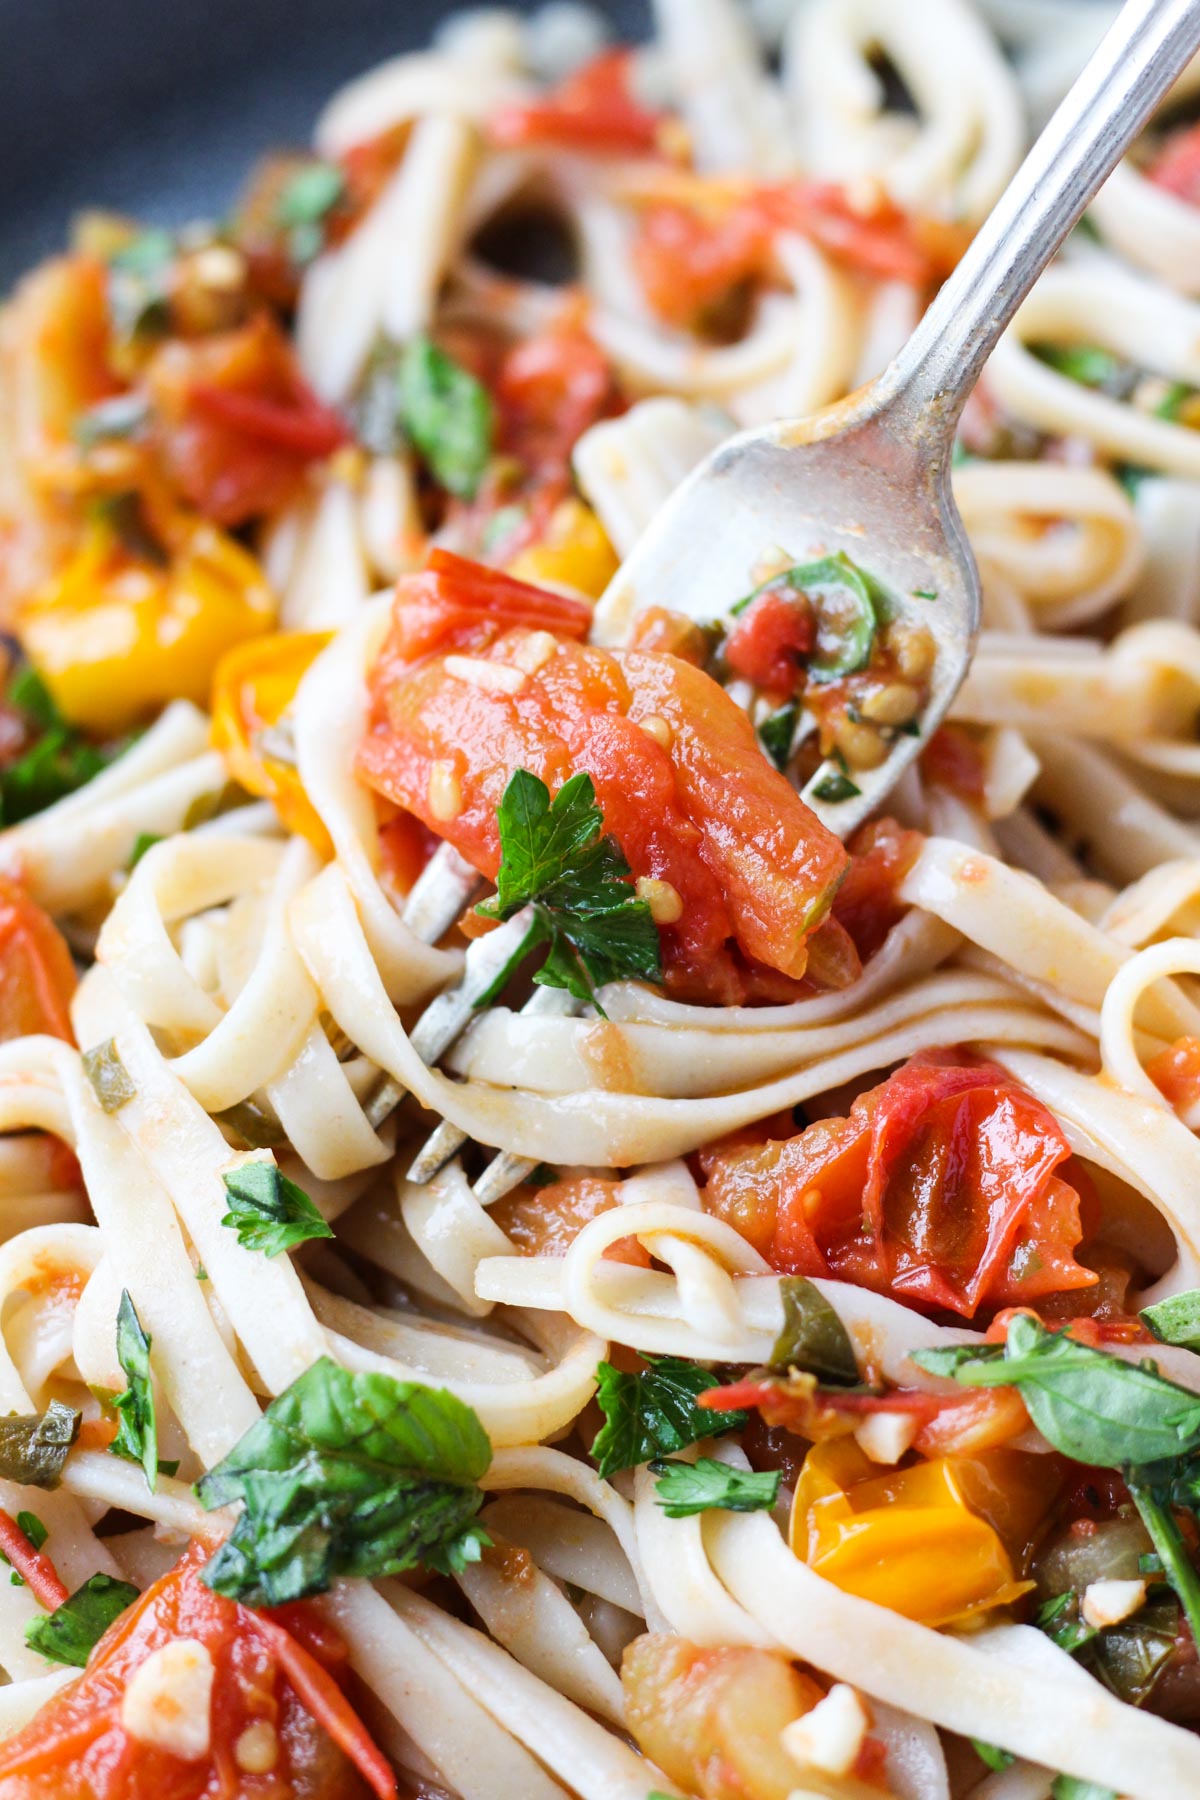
{"x":37,"y":1570}
{"x":326,"y":1702}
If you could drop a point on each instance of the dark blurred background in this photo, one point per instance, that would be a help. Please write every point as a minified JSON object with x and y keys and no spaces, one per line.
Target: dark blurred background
{"x":157,"y":107}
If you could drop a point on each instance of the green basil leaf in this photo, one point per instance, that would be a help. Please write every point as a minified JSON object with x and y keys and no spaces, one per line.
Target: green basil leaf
{"x":1093,"y":1407}
{"x":843,"y":598}
{"x":686,"y":1488}
{"x":144,"y":841}
{"x":994,"y":1758}
{"x":34,"y":1530}
{"x":34,"y":1446}
{"x":776,"y":733}
{"x":835,"y":787}
{"x":112,"y":1084}
{"x":1070,"y":1787}
{"x":1090,"y":365}
{"x":654,"y":1412}
{"x":813,"y":1337}
{"x":71,"y":1632}
{"x":348,"y":1474}
{"x":137,"y":1432}
{"x":448,"y":415}
{"x":1177,"y":1320}
{"x":27,"y":691}
{"x":555,"y":857}
{"x":269,"y":1212}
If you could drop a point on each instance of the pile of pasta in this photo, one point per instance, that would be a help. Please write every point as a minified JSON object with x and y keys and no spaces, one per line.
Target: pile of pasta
{"x":256,"y":968}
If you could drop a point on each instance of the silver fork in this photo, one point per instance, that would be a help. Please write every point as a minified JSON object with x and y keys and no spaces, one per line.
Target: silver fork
{"x":870,"y":476}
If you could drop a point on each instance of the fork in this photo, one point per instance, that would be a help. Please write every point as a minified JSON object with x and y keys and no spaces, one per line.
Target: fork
{"x":871,"y":474}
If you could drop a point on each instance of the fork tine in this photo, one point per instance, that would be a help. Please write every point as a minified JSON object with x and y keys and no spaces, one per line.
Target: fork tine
{"x":438,"y":1149}
{"x":502,"y":1175}
{"x":453,"y":1010}
{"x":444,"y":887}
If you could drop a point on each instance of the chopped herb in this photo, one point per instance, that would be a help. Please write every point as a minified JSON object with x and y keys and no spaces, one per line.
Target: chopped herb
{"x":71,"y":1632}
{"x":686,"y":1488}
{"x":348,"y":1474}
{"x":835,"y":787}
{"x":1150,"y":1563}
{"x":501,"y":526}
{"x":813,"y":1337}
{"x":542,"y":1176}
{"x":304,"y":206}
{"x":1069,"y":1787}
{"x":58,"y":763}
{"x":121,"y":417}
{"x":125,"y":516}
{"x":448,"y":416}
{"x":654,"y":1412}
{"x":139,"y":286}
{"x":269,"y":1212}
{"x":34,"y":1446}
{"x":1063,"y":1623}
{"x":201,"y":1272}
{"x":1131,"y":476}
{"x":257,"y":1128}
{"x":844,"y":599}
{"x":145,"y":840}
{"x":1177,"y":1320}
{"x":924,"y":593}
{"x":1174,"y":400}
{"x":556,"y":859}
{"x":137,"y":1433}
{"x":111,"y":1081}
{"x":990,"y":1754}
{"x":1090,"y":365}
{"x":776,"y":734}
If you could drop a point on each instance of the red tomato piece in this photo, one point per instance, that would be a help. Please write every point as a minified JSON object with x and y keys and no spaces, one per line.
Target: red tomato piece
{"x":771,"y":638}
{"x":236,"y":422}
{"x":709,"y":815}
{"x":881,"y":854}
{"x":1175,"y":1071}
{"x":548,"y":390}
{"x":938,"y":1188}
{"x":458,"y":604}
{"x":545,"y":1221}
{"x":952,"y":759}
{"x":37,"y":975}
{"x":1177,"y":166}
{"x":273,"y":1672}
{"x":593,"y":110}
{"x":688,"y":265}
{"x":882,"y":240}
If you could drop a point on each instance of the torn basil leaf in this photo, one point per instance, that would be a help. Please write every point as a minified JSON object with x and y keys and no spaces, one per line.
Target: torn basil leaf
{"x":1176,"y":1320}
{"x":447,"y":414}
{"x":269,"y":1212}
{"x":137,"y":1430}
{"x":71,"y":1632}
{"x":776,"y":734}
{"x":111,"y":1081}
{"x":348,"y":1474}
{"x":34,"y":1446}
{"x":813,"y":1337}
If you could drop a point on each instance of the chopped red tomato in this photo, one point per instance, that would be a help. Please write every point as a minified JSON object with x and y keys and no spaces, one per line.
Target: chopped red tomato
{"x":881,"y":240}
{"x":939,"y":1188}
{"x":952,"y":759}
{"x":770,"y":640}
{"x":280,"y":1726}
{"x":37,"y":975}
{"x":237,"y":424}
{"x":881,"y":854}
{"x":594,"y":110}
{"x":658,"y":628}
{"x":461,"y":605}
{"x":688,"y":264}
{"x":1177,"y":166}
{"x":945,"y":1424}
{"x":548,"y":390}
{"x":1175,"y":1072}
{"x":545,"y":1221}
{"x":690,"y":797}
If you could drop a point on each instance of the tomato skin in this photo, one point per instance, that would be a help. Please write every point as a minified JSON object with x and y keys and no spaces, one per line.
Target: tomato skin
{"x":76,"y":1747}
{"x":37,"y":974}
{"x":461,"y":604}
{"x":939,"y":1188}
{"x":708,"y":815}
{"x":881,"y":855}
{"x":1177,"y":168}
{"x":952,"y":759}
{"x":236,"y":423}
{"x":688,"y":265}
{"x":1175,"y":1071}
{"x":768,"y":642}
{"x":593,"y":110}
{"x":548,"y":390}
{"x":545,"y":1221}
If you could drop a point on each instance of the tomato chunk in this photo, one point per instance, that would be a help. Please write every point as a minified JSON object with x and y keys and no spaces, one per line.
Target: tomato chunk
{"x":37,"y":975}
{"x":271,"y":1674}
{"x":1177,"y":166}
{"x":677,"y":769}
{"x":595,"y":109}
{"x":940,"y":1188}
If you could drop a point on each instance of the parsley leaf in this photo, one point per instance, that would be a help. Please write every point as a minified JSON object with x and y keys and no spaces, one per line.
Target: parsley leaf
{"x":556,"y":859}
{"x":137,"y":1433}
{"x":269,"y":1212}
{"x":56,"y":763}
{"x":686,"y":1488}
{"x":71,"y":1632}
{"x":654,"y":1412}
{"x":448,"y":415}
{"x":34,"y":1446}
{"x":776,"y":733}
{"x":348,"y":1474}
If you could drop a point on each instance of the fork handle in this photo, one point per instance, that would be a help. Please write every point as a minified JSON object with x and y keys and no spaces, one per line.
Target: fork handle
{"x":1146,"y":49}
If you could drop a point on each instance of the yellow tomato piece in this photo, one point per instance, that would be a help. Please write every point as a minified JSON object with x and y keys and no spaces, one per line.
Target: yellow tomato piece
{"x":252,"y":689}
{"x":575,"y":553}
{"x":904,"y":1538}
{"x":115,"y":637}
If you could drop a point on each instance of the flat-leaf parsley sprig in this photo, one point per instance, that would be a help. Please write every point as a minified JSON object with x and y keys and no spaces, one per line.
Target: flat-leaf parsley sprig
{"x":556,"y":860}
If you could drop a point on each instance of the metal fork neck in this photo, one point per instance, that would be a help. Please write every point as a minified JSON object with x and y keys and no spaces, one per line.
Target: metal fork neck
{"x":1143,"y":53}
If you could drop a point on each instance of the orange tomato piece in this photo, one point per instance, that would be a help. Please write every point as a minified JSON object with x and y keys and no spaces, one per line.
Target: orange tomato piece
{"x":252,"y":688}
{"x":274,"y":1673}
{"x":37,"y":975}
{"x":594,"y":109}
{"x":545,"y":1221}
